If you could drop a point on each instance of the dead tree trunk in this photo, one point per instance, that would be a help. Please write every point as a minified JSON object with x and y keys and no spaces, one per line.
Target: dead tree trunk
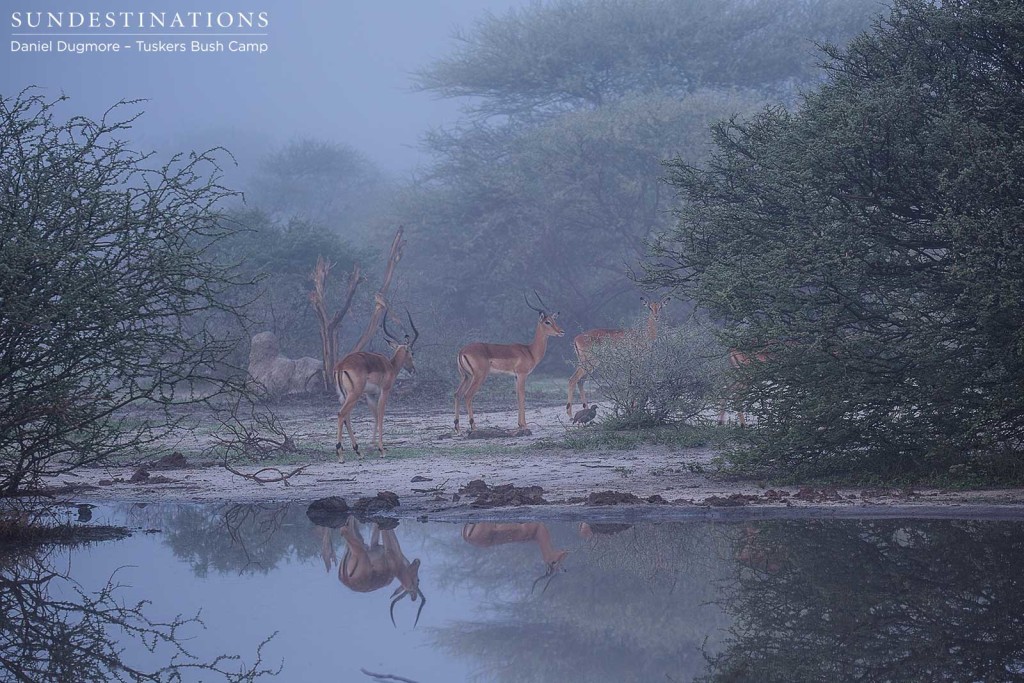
{"x":380,"y":302}
{"x":329,"y":324}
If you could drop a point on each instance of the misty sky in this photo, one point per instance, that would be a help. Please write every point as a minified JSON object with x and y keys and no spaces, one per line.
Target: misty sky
{"x":337,"y":71}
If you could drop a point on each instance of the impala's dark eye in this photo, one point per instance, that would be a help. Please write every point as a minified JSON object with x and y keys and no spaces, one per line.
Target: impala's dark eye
{"x":547,"y":322}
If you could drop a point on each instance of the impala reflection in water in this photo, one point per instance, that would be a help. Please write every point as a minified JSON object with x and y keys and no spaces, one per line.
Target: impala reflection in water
{"x":367,"y":568}
{"x":781,"y":600}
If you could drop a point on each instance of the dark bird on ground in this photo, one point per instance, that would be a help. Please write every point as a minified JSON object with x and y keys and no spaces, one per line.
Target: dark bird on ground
{"x":584,"y":416}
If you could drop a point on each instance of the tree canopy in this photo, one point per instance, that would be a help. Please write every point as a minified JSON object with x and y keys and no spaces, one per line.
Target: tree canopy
{"x":868,"y":246}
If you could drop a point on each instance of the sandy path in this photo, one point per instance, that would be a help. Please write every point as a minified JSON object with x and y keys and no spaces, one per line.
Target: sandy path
{"x":421,"y":446}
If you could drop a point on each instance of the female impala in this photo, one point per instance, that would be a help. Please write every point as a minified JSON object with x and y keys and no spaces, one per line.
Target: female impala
{"x":371,"y":375}
{"x":477,"y":360}
{"x":585,"y":342}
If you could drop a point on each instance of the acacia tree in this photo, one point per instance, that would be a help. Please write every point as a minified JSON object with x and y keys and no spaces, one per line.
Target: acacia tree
{"x":871,"y":243}
{"x":103,"y":273}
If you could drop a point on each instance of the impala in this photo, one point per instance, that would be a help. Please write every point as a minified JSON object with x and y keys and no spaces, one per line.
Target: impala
{"x":477,"y":360}
{"x":370,"y":375}
{"x":368,"y":568}
{"x":585,"y":342}
{"x":738,"y":359}
{"x":488,"y":534}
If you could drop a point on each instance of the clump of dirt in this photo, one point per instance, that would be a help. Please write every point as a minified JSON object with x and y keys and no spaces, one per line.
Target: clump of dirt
{"x":382,"y":502}
{"x":735,"y":500}
{"x":811,"y":495}
{"x":611,"y":498}
{"x":504,"y":495}
{"x":334,"y":511}
{"x":774,"y":496}
{"x":141,"y":476}
{"x":329,"y":512}
{"x":620,"y":498}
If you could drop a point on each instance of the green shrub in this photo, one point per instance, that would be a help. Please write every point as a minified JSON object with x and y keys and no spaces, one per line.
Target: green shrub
{"x":648,"y":382}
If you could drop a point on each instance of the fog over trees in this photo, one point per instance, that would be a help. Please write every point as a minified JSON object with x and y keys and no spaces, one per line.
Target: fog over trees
{"x":834,"y":187}
{"x":553,"y":179}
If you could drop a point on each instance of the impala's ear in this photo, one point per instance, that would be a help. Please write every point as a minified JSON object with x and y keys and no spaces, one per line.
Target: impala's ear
{"x":666,"y":300}
{"x":643,"y":300}
{"x":557,"y":313}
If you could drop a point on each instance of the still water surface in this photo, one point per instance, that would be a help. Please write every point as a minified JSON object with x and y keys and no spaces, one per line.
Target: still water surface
{"x":782,"y":600}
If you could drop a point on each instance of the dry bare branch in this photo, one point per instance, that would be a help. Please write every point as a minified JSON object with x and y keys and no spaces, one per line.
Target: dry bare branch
{"x":380,"y":298}
{"x":278,"y":475}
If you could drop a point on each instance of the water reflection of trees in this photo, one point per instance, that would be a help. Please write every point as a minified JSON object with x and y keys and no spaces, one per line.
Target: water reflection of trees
{"x":877,"y":600}
{"x":53,"y":630}
{"x":246,"y":538}
{"x":632,"y":606}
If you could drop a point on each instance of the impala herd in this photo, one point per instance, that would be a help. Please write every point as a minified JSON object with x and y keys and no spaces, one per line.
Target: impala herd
{"x":371,"y":376}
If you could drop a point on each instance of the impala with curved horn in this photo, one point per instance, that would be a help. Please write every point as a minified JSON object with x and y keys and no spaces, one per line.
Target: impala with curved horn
{"x":371,"y":375}
{"x":368,"y":568}
{"x":584,"y":343}
{"x":477,"y":360}
{"x":488,"y":534}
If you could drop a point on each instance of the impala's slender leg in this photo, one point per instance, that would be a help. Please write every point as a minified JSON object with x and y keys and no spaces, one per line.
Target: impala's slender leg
{"x":460,"y":393}
{"x":474,"y":386}
{"x":373,"y":401}
{"x":521,"y":395}
{"x":381,"y":403}
{"x":350,"y":388}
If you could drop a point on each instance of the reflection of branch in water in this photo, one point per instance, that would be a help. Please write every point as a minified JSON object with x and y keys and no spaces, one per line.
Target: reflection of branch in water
{"x":387,"y":677}
{"x":239,"y":519}
{"x":71,"y":638}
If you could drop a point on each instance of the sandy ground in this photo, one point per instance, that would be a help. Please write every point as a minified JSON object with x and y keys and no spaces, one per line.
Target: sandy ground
{"x":426,"y":467}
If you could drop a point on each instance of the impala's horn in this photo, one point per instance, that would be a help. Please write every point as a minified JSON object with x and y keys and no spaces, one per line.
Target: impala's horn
{"x":526,"y":298}
{"x":550,"y":574}
{"x":387,"y":332}
{"x":415,"y":332}
{"x":412,"y":596}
